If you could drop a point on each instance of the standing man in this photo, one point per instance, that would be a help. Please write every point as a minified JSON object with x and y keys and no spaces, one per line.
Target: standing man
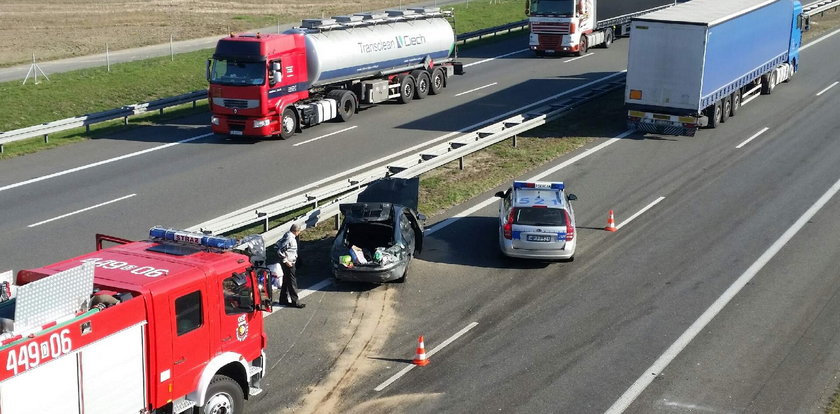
{"x":287,"y":251}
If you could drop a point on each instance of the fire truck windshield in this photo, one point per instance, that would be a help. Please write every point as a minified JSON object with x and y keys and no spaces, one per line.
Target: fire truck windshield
{"x":561,"y":7}
{"x":237,"y":73}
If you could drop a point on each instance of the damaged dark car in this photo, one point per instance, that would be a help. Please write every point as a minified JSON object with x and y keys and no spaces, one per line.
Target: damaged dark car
{"x":379,"y":234}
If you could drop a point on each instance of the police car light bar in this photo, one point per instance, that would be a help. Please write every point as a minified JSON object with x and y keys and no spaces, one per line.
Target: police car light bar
{"x":539,"y":185}
{"x":163,"y":233}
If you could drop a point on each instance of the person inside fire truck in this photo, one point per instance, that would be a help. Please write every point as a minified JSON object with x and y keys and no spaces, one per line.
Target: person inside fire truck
{"x":238,"y":294}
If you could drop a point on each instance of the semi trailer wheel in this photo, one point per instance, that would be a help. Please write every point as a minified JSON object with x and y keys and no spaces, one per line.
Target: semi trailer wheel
{"x":726,"y":109}
{"x":736,"y":102}
{"x":714,"y":113}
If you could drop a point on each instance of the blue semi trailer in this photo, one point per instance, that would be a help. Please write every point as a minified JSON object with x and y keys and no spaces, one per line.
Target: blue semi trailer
{"x":691,"y":65}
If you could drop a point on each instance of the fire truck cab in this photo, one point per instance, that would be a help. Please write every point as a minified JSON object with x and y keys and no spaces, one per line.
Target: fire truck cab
{"x":156,"y":326}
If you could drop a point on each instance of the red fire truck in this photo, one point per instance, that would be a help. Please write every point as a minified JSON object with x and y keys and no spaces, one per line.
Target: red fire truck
{"x":157,"y":326}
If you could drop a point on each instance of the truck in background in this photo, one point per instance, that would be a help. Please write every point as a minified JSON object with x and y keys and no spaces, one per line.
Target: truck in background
{"x":692,"y":65}
{"x":573,"y":26}
{"x":276,"y":84}
{"x":157,"y":326}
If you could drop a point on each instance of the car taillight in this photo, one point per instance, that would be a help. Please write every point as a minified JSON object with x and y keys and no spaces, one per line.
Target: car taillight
{"x":570,"y":229}
{"x":508,"y":227}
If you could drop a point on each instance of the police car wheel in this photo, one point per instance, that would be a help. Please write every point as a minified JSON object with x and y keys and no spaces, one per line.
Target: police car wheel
{"x":224,"y":396}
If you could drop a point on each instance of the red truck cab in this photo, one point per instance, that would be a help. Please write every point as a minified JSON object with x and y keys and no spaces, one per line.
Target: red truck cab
{"x":253,"y":80}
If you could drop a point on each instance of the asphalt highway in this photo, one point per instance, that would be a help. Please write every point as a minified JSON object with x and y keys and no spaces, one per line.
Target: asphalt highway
{"x":534,"y":337}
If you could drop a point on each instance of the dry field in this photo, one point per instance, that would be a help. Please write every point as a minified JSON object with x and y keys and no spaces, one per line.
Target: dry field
{"x":63,"y":28}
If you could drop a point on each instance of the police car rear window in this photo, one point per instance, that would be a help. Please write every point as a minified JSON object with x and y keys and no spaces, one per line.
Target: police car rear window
{"x":533,"y":216}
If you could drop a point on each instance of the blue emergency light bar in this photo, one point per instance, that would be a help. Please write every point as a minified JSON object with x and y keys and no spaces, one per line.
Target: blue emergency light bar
{"x":190,"y":237}
{"x":540,"y":185}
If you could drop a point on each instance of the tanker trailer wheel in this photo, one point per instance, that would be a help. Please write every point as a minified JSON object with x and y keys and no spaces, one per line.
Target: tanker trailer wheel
{"x":422,"y":83}
{"x":288,"y":123}
{"x":345,"y":103}
{"x":224,"y":396}
{"x":726,"y":109}
{"x":438,"y":80}
{"x":406,"y":88}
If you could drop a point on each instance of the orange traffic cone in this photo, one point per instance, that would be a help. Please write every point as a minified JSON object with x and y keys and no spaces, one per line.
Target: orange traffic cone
{"x":611,"y":223}
{"x":420,"y":356}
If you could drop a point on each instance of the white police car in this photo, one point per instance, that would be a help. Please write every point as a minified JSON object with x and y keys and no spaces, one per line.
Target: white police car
{"x":536,"y":220}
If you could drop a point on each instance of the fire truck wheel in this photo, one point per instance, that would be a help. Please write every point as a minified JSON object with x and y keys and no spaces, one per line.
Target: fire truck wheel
{"x":224,"y":396}
{"x":438,"y":80}
{"x":345,"y":103}
{"x":288,"y":123}
{"x":422,"y":83}
{"x":406,"y":88}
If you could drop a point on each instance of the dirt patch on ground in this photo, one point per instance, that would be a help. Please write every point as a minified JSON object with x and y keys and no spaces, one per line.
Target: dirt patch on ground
{"x":63,"y":28}
{"x":368,"y":327}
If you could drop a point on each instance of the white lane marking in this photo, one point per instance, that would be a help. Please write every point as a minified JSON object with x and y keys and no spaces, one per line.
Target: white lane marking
{"x":485,"y":203}
{"x":327,"y":135}
{"x":820,"y":39}
{"x":103,"y":162}
{"x":640,"y":212}
{"x":407,"y":150}
{"x":478,"y":88}
{"x":405,"y":370}
{"x":302,"y":294}
{"x":579,"y":57}
{"x":826,"y":89}
{"x":763,"y":130}
{"x":750,"y":99}
{"x":80,"y":211}
{"x":671,"y":353}
{"x":494,"y":58}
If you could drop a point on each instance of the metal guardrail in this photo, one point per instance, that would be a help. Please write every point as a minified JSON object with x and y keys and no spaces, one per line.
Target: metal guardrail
{"x":327,"y":199}
{"x":87,"y":120}
{"x":816,"y":7}
{"x":491,"y":31}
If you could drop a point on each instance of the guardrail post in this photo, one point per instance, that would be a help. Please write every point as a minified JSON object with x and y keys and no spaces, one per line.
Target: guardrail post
{"x":337,"y":221}
{"x":194,"y":103}
{"x":2,"y":149}
{"x":87,"y":128}
{"x":46,"y":138}
{"x":461,"y":163}
{"x":265,"y":221}
{"x":514,"y":141}
{"x":125,"y":120}
{"x":161,"y":111}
